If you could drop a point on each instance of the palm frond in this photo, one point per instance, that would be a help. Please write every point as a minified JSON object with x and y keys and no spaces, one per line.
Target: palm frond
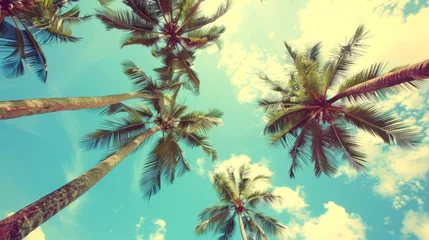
{"x":385,"y":125}
{"x":123,"y":19}
{"x":114,"y":133}
{"x":346,"y":55}
{"x":167,"y":160}
{"x":262,"y":198}
{"x":223,"y":187}
{"x":314,"y":51}
{"x":213,"y":217}
{"x":144,"y":10}
{"x":200,"y":122}
{"x":202,"y":21}
{"x":228,"y":228}
{"x":350,"y":147}
{"x":279,"y":120}
{"x":361,"y":77}
{"x":270,"y":225}
{"x":147,"y":39}
{"x":404,"y":78}
{"x":198,"y":140}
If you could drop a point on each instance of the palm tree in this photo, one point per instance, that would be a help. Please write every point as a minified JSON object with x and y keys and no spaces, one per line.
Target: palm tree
{"x":125,"y":134}
{"x":174,"y":29}
{"x":314,"y":127}
{"x":27,"y":24}
{"x":238,"y":198}
{"x":106,"y":104}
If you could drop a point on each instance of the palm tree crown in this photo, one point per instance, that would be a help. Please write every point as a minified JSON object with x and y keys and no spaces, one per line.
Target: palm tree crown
{"x":238,"y":198}
{"x":27,"y":24}
{"x":174,"y":28}
{"x":176,"y":124}
{"x":314,"y":127}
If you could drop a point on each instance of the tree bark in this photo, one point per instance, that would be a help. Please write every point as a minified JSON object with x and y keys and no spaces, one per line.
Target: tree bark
{"x":20,"y":224}
{"x":20,"y":108}
{"x":418,"y":71}
{"x":243,"y":232}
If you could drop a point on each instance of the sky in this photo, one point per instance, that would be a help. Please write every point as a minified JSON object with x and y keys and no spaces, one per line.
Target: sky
{"x":41,"y":153}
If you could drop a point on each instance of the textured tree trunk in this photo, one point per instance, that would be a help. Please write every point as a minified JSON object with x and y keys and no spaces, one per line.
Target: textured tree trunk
{"x":20,"y":224}
{"x":418,"y":71}
{"x":20,"y":108}
{"x":243,"y":232}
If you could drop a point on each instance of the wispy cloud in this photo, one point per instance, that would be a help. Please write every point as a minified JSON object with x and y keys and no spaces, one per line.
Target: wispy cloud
{"x":160,"y":232}
{"x":139,"y":236}
{"x":200,"y":166}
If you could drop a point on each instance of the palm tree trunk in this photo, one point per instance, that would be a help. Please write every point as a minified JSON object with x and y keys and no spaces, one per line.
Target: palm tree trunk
{"x":243,"y":232}
{"x":29,"y":218}
{"x":418,"y":71}
{"x":20,"y":108}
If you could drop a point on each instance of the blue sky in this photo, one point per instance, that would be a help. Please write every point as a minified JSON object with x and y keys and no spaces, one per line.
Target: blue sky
{"x":41,"y":153}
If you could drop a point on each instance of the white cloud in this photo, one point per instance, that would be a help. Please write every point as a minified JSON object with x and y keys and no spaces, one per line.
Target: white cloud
{"x":159,"y":234}
{"x":271,"y":35}
{"x":387,"y":221}
{"x":334,"y":224}
{"x":346,"y":170}
{"x":36,"y":234}
{"x":138,"y":226}
{"x":242,"y":65}
{"x":200,"y":166}
{"x":292,"y":201}
{"x":416,"y":223}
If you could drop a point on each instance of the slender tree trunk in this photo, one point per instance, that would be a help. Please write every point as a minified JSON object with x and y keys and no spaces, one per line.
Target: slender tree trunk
{"x":418,"y":71}
{"x":243,"y":232}
{"x":20,"y":108}
{"x":20,"y":224}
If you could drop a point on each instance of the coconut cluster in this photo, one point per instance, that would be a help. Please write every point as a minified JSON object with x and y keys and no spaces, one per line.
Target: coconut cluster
{"x":14,"y":6}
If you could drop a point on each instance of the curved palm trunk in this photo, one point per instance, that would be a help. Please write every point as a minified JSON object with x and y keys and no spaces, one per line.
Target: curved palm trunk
{"x":29,"y":218}
{"x":20,"y":108}
{"x":243,"y":232}
{"x":418,"y":71}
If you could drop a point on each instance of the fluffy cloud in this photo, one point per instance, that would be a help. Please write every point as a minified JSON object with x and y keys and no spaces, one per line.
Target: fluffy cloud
{"x":242,"y":65}
{"x":416,"y":223}
{"x":159,"y":234}
{"x":335,"y":224}
{"x":36,"y":234}
{"x":200,"y":166}
{"x":293,"y":201}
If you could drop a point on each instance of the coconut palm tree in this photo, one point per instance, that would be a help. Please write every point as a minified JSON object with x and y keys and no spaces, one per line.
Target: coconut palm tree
{"x":238,"y":198}
{"x":125,"y":134}
{"x":27,"y":24}
{"x":314,"y":127}
{"x":104,"y":104}
{"x":174,"y":29}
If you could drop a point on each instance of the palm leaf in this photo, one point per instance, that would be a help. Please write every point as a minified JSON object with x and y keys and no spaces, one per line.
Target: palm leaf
{"x":270,"y":225}
{"x":351,"y":149}
{"x":385,"y":125}
{"x":114,"y":133}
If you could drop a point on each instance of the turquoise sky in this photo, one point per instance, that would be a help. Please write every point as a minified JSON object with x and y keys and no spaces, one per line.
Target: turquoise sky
{"x":41,"y":153}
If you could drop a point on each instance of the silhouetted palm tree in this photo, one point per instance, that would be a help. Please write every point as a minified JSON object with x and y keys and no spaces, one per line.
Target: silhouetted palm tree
{"x":315,"y":127}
